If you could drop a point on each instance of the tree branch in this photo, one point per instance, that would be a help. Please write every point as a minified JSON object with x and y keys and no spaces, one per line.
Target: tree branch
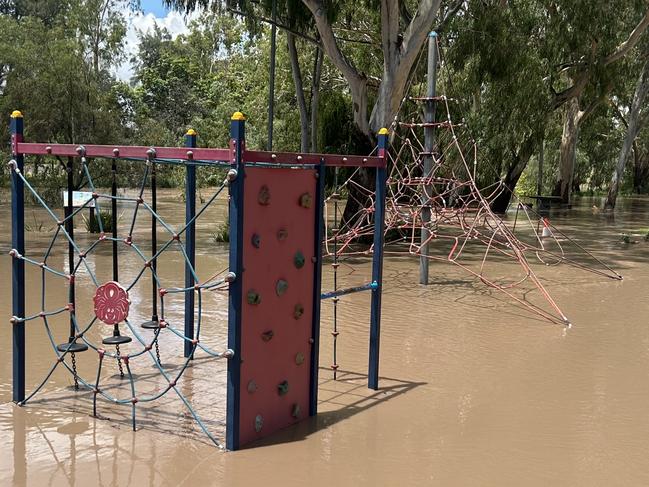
{"x":328,"y":38}
{"x":286,"y":28}
{"x":630,"y":42}
{"x":417,"y":30}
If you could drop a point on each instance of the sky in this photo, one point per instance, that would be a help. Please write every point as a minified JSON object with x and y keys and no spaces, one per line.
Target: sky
{"x":153,"y":13}
{"x":154,"y":7}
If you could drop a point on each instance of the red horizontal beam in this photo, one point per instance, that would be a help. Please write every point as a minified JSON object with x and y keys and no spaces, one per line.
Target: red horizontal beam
{"x":297,"y":159}
{"x":121,"y":151}
{"x":180,"y":153}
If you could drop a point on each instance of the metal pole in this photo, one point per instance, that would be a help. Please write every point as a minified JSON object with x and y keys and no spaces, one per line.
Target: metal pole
{"x":271,"y":88}
{"x":69,"y":226}
{"x":429,"y":145}
{"x":113,"y":219}
{"x":236,"y":178}
{"x":539,"y":180}
{"x":154,"y":243}
{"x":317,"y":289}
{"x":153,"y":323}
{"x":18,"y":265}
{"x":190,"y":245}
{"x":377,"y":265}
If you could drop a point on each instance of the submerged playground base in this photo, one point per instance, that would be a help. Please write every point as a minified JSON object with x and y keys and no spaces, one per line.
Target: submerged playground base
{"x":276,"y":203}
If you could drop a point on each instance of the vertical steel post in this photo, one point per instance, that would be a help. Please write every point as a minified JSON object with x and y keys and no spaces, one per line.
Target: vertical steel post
{"x":236,"y":178}
{"x":317,"y":288}
{"x":153,"y":323}
{"x":539,"y":179}
{"x":271,"y":76}
{"x":429,"y":147}
{"x":18,"y":265}
{"x":377,"y":263}
{"x":154,"y":243}
{"x":190,"y":243}
{"x":69,"y":227}
{"x":113,"y":218}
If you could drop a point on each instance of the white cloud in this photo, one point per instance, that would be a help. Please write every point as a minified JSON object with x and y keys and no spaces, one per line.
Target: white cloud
{"x":175,"y":22}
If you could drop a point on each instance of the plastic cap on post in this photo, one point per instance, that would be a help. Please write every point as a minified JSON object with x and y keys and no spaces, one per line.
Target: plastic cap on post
{"x":191,"y":132}
{"x":432,"y":34}
{"x":384,"y":131}
{"x":16,"y":114}
{"x":238,"y":116}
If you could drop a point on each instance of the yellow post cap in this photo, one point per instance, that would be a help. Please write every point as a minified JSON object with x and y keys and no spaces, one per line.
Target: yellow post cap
{"x":191,"y":132}
{"x":384,"y":131}
{"x":16,"y":114}
{"x":238,"y":116}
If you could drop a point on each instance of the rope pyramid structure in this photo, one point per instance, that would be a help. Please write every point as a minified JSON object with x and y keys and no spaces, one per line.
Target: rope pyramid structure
{"x":436,"y":210}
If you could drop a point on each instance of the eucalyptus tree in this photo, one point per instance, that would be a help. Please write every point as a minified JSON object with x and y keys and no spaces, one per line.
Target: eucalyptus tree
{"x":636,"y":117}
{"x":591,"y":39}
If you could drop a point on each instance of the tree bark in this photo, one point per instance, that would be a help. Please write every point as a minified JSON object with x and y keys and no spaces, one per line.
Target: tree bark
{"x":514,"y":172}
{"x":299,"y":92}
{"x":640,"y":170}
{"x":642,"y":87}
{"x":315,"y":98}
{"x":568,"y":151}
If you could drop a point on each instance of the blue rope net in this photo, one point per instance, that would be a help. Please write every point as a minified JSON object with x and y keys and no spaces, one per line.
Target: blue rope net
{"x":66,"y":354}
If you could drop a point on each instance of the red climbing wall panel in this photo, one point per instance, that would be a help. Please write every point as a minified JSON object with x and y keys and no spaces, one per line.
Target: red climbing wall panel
{"x":278,"y":279}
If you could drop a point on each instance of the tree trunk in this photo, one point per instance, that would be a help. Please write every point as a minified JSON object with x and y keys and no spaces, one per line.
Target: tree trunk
{"x":568,"y":151}
{"x":299,"y":92}
{"x":315,"y":98}
{"x":639,"y":96}
{"x":518,"y":165}
{"x":640,"y":170}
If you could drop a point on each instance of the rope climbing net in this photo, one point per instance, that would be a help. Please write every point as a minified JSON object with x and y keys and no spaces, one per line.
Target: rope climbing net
{"x":437,"y":210}
{"x":111,"y":298}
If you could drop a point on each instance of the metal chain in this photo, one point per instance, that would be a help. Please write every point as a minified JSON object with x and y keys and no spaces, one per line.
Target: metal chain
{"x":74,"y":371}
{"x":119,"y":361}
{"x":157,"y":351}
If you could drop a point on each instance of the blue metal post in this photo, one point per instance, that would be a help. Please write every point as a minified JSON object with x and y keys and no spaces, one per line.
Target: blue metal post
{"x":18,"y":265}
{"x":235,"y":301}
{"x":317,"y":283}
{"x":190,"y":243}
{"x":377,"y":264}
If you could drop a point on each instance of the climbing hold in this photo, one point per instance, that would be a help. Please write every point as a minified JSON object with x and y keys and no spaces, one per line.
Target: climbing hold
{"x":305,"y":200}
{"x":295,"y":411}
{"x":298,"y":259}
{"x":267,"y":335}
{"x":298,"y":311}
{"x":259,"y":423}
{"x":299,"y":358}
{"x":281,"y":287}
{"x":255,"y":240}
{"x":264,"y":196}
{"x":282,"y":388}
{"x":282,"y":234}
{"x":252,"y":386}
{"x":253,"y":297}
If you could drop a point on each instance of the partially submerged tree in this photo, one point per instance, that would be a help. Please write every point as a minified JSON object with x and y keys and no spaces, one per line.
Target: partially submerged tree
{"x":599,"y":47}
{"x":637,"y":115}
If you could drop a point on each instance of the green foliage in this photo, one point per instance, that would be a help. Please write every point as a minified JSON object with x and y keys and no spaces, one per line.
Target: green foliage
{"x":92,"y":222}
{"x":222,"y":233}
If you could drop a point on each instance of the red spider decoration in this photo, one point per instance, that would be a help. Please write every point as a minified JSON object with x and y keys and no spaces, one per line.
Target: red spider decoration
{"x":111,"y":303}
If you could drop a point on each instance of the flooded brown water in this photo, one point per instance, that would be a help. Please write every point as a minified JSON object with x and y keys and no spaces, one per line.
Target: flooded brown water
{"x":473,"y":391}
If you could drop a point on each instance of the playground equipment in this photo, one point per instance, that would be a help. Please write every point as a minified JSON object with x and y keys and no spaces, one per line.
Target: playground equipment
{"x":436,"y":209}
{"x":276,"y":221}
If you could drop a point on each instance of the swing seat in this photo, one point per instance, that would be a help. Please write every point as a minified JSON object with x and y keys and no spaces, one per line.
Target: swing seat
{"x":72,"y":347}
{"x":116,"y":340}
{"x":150,"y":325}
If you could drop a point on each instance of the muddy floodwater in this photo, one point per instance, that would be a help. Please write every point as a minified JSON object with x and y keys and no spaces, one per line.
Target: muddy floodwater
{"x":474,"y":390}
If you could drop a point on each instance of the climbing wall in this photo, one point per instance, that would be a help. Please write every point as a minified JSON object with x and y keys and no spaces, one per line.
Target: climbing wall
{"x":278,"y":289}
